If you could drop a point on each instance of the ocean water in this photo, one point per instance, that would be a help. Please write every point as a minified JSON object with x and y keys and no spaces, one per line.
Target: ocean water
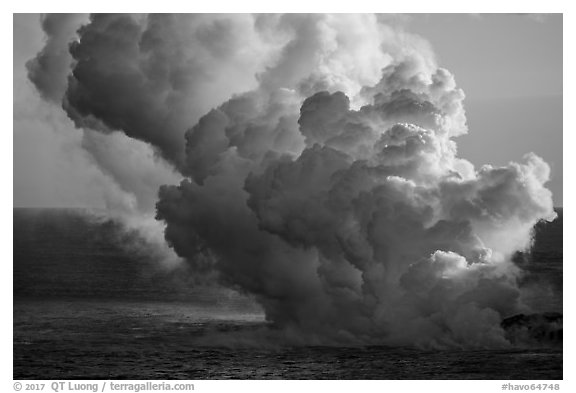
{"x":84,"y":308}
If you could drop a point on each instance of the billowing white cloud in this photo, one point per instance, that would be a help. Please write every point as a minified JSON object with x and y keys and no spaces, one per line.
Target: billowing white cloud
{"x":320,"y":171}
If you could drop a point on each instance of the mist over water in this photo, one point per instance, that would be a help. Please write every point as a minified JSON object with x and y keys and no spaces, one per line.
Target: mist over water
{"x":308,"y":162}
{"x":84,"y":307}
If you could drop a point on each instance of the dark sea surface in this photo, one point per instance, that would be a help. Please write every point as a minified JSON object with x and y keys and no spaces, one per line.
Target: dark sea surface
{"x":85,"y":308}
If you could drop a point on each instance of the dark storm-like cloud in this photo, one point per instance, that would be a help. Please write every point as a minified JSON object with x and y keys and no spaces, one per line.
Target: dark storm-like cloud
{"x":50,"y":68}
{"x":151,"y":77}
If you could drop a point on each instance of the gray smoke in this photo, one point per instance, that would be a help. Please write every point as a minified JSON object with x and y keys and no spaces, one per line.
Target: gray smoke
{"x":320,"y":170}
{"x":50,"y":68}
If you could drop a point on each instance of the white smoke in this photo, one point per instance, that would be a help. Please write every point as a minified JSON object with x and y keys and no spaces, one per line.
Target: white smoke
{"x":323,"y":177}
{"x":126,"y":172}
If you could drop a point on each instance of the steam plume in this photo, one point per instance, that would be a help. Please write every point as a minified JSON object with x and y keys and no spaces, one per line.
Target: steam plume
{"x":320,"y":170}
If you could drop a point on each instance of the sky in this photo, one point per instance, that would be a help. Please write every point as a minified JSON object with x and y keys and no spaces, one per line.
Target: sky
{"x":509,"y":66}
{"x":49,"y":169}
